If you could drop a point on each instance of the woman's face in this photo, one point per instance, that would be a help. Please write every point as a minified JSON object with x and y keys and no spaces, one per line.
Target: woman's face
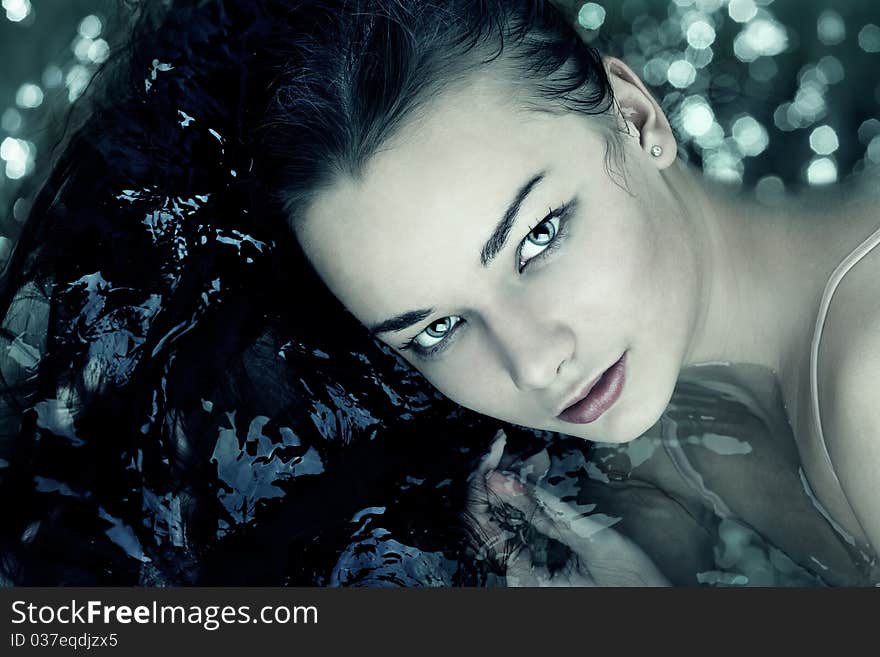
{"x":490,"y":247}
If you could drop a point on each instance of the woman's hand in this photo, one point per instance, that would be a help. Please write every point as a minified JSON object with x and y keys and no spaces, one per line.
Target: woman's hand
{"x":503,"y":504}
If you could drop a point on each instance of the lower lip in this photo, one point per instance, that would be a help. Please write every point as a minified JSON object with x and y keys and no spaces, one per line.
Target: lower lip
{"x":602,"y":397}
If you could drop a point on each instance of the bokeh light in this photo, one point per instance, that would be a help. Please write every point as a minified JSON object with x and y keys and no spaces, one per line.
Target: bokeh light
{"x":830,"y":28}
{"x":823,"y":140}
{"x":11,"y":120}
{"x":742,"y":81}
{"x":53,"y":76}
{"x":708,"y":6}
{"x":90,"y":27}
{"x":76,"y":80}
{"x":742,"y":11}
{"x":700,"y":34}
{"x":750,"y":136}
{"x":654,"y":71}
{"x":830,"y":70}
{"x":696,"y":116}
{"x":591,"y":16}
{"x":29,"y":95}
{"x":822,"y":171}
{"x":80,"y":47}
{"x":19,"y":156}
{"x":763,"y":69}
{"x":868,"y":130}
{"x":681,"y":73}
{"x":724,"y":163}
{"x":762,"y":36}
{"x":699,"y":58}
{"x":770,"y":190}
{"x":869,"y":38}
{"x":17,"y":10}
{"x":99,"y":51}
{"x":872,"y":152}
{"x":712,"y":138}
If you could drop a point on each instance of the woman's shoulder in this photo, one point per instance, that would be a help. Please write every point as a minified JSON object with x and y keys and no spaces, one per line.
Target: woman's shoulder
{"x":853,"y":288}
{"x":848,"y":364}
{"x":852,"y":303}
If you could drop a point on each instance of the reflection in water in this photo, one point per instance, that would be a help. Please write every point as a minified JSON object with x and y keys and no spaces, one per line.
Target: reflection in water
{"x":714,"y":492}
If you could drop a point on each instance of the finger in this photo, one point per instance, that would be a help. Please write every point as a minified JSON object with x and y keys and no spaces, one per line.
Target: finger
{"x":576,"y":523}
{"x":520,"y":571}
{"x":505,"y":484}
{"x":491,"y":459}
{"x":494,"y":546}
{"x":535,"y":468}
{"x":492,"y":539}
{"x":478,"y":499}
{"x":511,"y":492}
{"x":613,"y":559}
{"x":578,"y":574}
{"x":552,"y":520}
{"x":495,"y":515}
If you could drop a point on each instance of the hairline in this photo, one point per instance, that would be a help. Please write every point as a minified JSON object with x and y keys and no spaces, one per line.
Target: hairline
{"x":354,"y":169}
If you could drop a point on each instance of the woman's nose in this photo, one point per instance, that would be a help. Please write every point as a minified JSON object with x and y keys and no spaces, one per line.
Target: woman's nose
{"x":534,"y":352}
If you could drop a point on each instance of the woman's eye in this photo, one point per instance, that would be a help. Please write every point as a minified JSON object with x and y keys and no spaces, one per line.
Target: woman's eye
{"x":547,"y":236}
{"x":436,"y":332}
{"x":537,"y":241}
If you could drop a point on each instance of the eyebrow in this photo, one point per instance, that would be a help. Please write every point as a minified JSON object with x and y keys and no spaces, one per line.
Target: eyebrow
{"x":401,"y":321}
{"x":499,"y":236}
{"x":492,"y":248}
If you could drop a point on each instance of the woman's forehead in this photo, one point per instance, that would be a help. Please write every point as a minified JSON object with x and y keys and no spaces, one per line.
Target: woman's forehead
{"x":411,"y":228}
{"x":468,"y":152}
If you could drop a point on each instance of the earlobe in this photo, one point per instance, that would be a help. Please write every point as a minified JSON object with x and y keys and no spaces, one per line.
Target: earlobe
{"x":642,"y":116}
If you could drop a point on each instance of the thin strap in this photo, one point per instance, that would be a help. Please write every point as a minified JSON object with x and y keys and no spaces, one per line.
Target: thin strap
{"x":857,"y":254}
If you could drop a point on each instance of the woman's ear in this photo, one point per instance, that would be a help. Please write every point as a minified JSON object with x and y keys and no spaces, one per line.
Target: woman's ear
{"x":640,"y":114}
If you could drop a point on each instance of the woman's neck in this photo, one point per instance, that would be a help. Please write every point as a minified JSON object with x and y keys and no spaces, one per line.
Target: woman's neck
{"x":762,"y":269}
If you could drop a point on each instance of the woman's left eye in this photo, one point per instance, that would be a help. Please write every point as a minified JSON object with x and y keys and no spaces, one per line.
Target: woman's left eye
{"x":540,"y":238}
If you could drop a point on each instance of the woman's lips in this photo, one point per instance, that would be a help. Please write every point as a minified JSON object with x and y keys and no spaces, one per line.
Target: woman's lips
{"x":599,"y":397}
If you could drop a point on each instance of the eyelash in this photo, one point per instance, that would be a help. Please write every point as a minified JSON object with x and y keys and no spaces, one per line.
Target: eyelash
{"x":563,"y":212}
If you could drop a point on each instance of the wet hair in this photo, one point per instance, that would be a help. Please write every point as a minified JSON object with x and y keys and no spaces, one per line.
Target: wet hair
{"x":184,"y":401}
{"x":356,"y":71}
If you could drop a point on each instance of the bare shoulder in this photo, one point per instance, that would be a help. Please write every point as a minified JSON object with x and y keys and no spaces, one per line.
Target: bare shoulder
{"x":851,"y":325}
{"x":849,"y":383}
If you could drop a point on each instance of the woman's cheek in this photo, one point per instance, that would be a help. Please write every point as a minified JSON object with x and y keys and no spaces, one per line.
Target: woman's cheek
{"x":469,"y":376}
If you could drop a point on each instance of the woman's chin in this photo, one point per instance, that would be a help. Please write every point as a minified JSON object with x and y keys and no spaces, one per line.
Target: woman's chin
{"x":620,"y":424}
{"x":602,"y":437}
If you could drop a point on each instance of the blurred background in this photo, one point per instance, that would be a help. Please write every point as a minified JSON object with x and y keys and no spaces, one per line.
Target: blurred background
{"x":768,"y":94}
{"x":49,"y":50}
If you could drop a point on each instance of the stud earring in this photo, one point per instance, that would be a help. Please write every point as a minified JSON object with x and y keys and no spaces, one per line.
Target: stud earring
{"x":656,"y":150}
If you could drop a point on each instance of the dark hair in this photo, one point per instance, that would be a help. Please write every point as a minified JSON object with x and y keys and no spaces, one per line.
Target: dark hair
{"x":178,"y":415}
{"x":352,"y":72}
